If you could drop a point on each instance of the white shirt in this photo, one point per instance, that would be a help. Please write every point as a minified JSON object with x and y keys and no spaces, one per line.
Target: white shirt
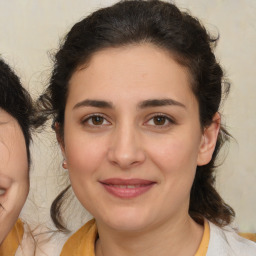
{"x":226,"y":242}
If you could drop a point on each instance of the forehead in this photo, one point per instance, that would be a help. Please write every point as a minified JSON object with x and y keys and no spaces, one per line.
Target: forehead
{"x":131,"y":70}
{"x":12,"y":141}
{"x":9,"y":127}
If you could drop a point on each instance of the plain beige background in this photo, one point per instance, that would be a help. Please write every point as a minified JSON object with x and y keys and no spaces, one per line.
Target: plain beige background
{"x":30,"y":31}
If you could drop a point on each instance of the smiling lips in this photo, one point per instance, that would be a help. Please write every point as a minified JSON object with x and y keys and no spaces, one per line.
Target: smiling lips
{"x":127,"y":188}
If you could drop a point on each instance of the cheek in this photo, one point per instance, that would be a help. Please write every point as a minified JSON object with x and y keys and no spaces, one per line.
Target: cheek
{"x":13,"y":160}
{"x":176,"y":156}
{"x":177,"y":161}
{"x":21,"y":173}
{"x":84,"y":155}
{"x":21,"y":157}
{"x":4,"y":155}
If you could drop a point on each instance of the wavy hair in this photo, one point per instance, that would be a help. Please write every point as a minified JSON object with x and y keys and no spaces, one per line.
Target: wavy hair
{"x":165,"y":26}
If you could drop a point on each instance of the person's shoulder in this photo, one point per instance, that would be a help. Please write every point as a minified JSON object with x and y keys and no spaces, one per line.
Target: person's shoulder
{"x":12,"y":241}
{"x":87,"y":230}
{"x":225,"y":241}
{"x":27,"y":244}
{"x":41,"y":240}
{"x":82,"y":242}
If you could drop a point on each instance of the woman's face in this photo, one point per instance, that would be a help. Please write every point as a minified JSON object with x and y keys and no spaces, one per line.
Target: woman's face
{"x":132,"y":137}
{"x":14,"y":182}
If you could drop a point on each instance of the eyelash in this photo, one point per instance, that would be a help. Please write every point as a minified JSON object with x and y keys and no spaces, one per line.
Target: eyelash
{"x":166,"y":119}
{"x":104,"y":119}
{"x":88,"y":118}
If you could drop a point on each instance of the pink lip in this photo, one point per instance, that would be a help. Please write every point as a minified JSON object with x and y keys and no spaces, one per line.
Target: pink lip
{"x":127,"y":188}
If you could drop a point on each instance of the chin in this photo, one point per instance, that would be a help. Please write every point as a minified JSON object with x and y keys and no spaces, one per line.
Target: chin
{"x":126,"y":219}
{"x":128,"y":225}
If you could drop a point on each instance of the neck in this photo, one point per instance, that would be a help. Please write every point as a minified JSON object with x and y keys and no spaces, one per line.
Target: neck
{"x":179,"y":237}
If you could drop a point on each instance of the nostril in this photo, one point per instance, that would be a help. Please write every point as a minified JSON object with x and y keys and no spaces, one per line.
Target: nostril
{"x":125,"y":150}
{"x":125,"y":160}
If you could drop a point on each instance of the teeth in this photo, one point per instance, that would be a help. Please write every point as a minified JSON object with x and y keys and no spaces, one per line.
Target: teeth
{"x":2,"y":192}
{"x":126,"y":186}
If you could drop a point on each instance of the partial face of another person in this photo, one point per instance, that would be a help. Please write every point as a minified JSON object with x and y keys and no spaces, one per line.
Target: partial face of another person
{"x":132,"y":137}
{"x":14,"y":182}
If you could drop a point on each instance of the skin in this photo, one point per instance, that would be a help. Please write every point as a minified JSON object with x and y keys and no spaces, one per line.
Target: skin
{"x":14,"y":184}
{"x":132,"y":139}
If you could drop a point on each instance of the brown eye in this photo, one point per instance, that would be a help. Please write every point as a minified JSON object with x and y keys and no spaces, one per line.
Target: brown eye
{"x":2,"y":191}
{"x":159,"y":120}
{"x":97,"y":120}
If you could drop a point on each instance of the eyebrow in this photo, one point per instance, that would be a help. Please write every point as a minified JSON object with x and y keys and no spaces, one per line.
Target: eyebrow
{"x":94,"y":103}
{"x":144,"y":104}
{"x":160,"y":103}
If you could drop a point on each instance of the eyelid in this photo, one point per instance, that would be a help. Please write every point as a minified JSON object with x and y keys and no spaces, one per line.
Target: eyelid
{"x":2,"y":191}
{"x":170,"y":119}
{"x":86,"y":118}
{"x":5,"y":182}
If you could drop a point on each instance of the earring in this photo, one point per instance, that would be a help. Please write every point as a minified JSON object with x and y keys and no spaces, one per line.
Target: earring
{"x":64,"y":164}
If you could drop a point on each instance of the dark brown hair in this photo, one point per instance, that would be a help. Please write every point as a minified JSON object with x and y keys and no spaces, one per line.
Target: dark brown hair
{"x":165,"y":26}
{"x":16,"y":101}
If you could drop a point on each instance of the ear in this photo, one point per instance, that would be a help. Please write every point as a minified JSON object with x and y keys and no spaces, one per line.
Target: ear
{"x":208,"y":141}
{"x":59,"y":138}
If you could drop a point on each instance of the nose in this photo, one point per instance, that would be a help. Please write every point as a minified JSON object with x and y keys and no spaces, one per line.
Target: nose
{"x":126,"y":150}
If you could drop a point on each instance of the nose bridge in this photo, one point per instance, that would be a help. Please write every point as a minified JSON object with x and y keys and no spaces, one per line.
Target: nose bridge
{"x":126,"y":149}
